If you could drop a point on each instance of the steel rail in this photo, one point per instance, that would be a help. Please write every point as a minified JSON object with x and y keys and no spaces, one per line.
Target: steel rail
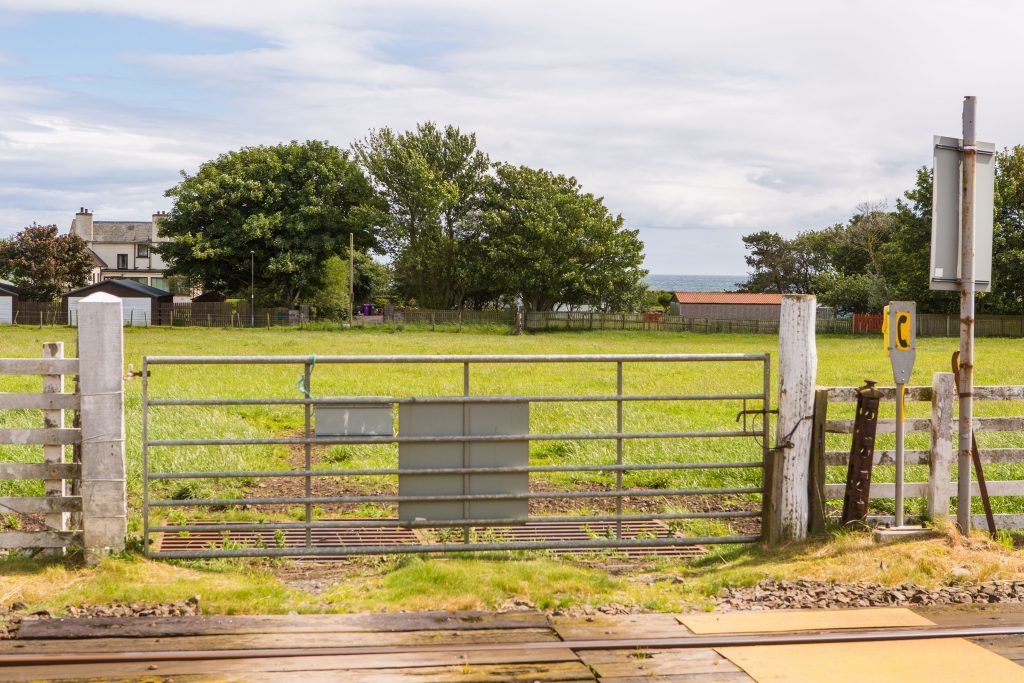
{"x":343,"y":551}
{"x":335,"y":440}
{"x":671,"y":643}
{"x":373,"y":400}
{"x":430,"y":524}
{"x":461,"y":470}
{"x":537,"y":358}
{"x":397,"y":498}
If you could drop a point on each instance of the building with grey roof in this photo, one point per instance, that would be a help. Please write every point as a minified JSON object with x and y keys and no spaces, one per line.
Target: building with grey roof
{"x":123,"y":250}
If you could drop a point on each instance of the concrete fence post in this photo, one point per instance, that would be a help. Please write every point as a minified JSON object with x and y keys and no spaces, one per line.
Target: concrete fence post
{"x":940,"y":454}
{"x":101,"y":391}
{"x":789,"y":507}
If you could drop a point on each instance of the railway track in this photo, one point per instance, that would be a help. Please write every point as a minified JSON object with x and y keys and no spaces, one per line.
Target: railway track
{"x":671,"y":643}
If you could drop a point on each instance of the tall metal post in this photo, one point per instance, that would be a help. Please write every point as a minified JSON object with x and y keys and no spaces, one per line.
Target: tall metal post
{"x":351,"y":274}
{"x":899,"y":454}
{"x":970,"y":161}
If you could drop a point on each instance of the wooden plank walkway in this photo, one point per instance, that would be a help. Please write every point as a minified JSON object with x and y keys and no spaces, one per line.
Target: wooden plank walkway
{"x":479,"y":663}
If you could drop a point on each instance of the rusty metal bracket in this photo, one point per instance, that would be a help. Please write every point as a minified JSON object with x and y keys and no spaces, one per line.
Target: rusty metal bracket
{"x":862,"y":454}
{"x":986,"y":503}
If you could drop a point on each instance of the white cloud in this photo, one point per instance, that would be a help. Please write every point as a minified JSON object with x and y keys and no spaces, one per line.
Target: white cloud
{"x":723,"y":116}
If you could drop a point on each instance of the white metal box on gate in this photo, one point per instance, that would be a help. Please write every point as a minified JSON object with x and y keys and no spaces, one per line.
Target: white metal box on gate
{"x":449,"y":419}
{"x":355,"y":419}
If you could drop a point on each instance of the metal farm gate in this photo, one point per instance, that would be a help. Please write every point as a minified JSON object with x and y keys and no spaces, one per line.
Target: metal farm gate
{"x":461,"y":472}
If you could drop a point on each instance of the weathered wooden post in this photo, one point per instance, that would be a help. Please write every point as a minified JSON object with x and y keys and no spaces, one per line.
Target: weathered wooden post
{"x":54,"y":454}
{"x":101,"y":391}
{"x":789,"y":508}
{"x":940,"y":453}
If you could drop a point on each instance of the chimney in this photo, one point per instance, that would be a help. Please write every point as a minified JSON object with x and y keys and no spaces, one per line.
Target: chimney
{"x":157,"y":217}
{"x":83,"y":224}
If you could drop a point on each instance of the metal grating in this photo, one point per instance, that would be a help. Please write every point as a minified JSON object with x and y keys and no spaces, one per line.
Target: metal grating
{"x":586,"y":531}
{"x":531,"y":531}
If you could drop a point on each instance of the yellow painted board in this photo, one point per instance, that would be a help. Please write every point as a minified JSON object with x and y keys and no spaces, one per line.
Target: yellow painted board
{"x":774,"y":621}
{"x":907,"y":661}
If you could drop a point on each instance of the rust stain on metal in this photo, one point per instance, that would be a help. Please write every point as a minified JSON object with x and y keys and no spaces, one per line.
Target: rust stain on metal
{"x":862,"y":454}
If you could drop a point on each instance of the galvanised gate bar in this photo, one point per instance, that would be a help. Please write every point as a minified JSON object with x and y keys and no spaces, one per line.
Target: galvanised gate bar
{"x":465,"y":480}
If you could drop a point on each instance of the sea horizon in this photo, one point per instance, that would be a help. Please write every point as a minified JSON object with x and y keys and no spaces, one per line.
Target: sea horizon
{"x":669,"y":282}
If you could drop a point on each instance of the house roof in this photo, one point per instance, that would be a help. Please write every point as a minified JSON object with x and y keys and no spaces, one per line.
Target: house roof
{"x":135,"y":287}
{"x":96,"y":260}
{"x":7,"y":288}
{"x":122,"y":231}
{"x":727,"y":298}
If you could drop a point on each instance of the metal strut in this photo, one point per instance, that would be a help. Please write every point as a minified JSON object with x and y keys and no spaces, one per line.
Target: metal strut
{"x":862,"y":454}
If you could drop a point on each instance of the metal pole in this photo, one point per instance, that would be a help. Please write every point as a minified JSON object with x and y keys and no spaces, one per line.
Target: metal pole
{"x":351,"y":275}
{"x":466,"y":459}
{"x":618,"y":449}
{"x":970,"y":160}
{"x":899,"y":455}
{"x":307,"y":373}
{"x":252,"y":289}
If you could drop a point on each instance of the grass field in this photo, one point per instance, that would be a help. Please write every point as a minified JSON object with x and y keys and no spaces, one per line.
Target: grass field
{"x":486,"y":581}
{"x":842,"y":361}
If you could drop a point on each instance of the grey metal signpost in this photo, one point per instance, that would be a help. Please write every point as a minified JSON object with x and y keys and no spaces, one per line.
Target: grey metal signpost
{"x":961,"y":259}
{"x":901,"y":345}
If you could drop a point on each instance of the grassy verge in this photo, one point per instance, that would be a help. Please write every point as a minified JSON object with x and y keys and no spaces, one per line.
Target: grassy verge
{"x":500,"y":581}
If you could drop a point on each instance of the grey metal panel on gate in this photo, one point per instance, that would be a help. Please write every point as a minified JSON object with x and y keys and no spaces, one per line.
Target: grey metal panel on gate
{"x":360,"y":419}
{"x":946,"y":215}
{"x":485,"y":419}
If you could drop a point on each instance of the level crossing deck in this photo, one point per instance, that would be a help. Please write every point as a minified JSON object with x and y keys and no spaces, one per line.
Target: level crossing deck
{"x":513,"y":646}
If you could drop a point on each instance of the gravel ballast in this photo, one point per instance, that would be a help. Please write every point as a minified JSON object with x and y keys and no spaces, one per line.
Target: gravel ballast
{"x":770,"y":594}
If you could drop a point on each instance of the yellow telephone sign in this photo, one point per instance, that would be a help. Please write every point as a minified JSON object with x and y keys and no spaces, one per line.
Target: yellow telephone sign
{"x":900,"y":337}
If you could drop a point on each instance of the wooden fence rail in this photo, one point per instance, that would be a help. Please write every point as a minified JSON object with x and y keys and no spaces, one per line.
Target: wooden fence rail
{"x":939,"y":457}
{"x":84,"y":502}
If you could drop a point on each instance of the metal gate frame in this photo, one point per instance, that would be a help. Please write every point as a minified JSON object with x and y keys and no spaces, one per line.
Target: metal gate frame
{"x":308,"y":440}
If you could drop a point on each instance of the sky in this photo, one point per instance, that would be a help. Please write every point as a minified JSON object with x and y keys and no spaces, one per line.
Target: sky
{"x":698,"y":121}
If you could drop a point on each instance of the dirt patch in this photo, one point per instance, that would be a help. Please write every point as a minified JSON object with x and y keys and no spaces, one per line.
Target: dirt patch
{"x":295,"y":487}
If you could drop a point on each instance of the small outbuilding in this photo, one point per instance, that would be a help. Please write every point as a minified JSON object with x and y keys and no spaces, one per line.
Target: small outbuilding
{"x":140,"y":304}
{"x":727,"y":305}
{"x":8,"y":302}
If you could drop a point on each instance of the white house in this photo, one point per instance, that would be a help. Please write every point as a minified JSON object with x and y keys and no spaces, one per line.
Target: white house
{"x":123,"y":250}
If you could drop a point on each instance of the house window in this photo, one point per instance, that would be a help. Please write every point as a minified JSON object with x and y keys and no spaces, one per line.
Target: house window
{"x":142,"y":250}
{"x":159,"y":283}
{"x":122,"y":261}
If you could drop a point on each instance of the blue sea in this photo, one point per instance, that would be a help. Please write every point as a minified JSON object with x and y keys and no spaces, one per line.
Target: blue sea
{"x":694,"y":283}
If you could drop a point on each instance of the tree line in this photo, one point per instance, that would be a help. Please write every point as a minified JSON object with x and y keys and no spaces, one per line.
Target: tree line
{"x":882,"y":254}
{"x":456,"y":229}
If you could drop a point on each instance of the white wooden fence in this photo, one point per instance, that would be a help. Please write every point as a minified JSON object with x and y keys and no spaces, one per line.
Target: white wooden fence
{"x":940,"y":456}
{"x":84,"y":501}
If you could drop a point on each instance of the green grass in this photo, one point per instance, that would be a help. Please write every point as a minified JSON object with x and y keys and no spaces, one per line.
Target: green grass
{"x":487,"y":581}
{"x":842,"y":361}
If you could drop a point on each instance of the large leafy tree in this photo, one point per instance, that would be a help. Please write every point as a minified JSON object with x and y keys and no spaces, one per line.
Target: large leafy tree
{"x":432,"y":180}
{"x":289,"y":206}
{"x":548,"y":242}
{"x":43,"y":263}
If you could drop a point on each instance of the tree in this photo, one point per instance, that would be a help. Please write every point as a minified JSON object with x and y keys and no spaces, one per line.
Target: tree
{"x":293,"y":205}
{"x":548,"y":242}
{"x":781,"y":265}
{"x":44,"y":263}
{"x":432,"y":181}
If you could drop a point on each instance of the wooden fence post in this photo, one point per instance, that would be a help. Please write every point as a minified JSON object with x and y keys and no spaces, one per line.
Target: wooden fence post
{"x":101,"y":391}
{"x":941,"y":455}
{"x":787,"y":518}
{"x":54,"y":454}
{"x":816,"y":480}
